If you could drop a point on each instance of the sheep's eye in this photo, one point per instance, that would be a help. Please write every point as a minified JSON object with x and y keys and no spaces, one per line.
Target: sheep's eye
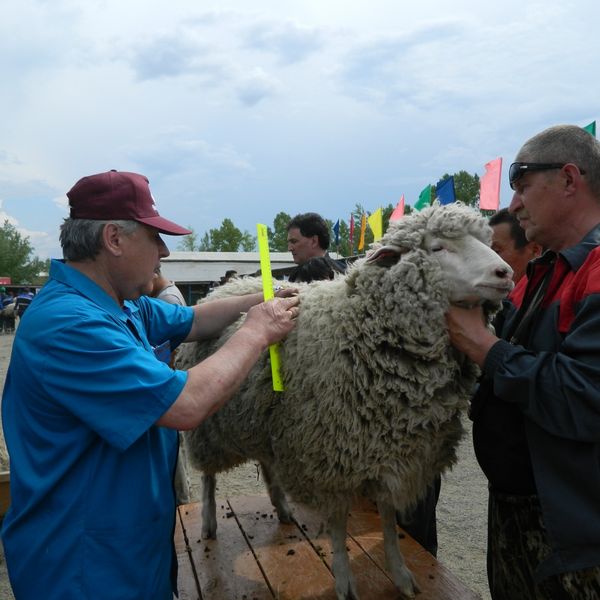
{"x":437,"y":248}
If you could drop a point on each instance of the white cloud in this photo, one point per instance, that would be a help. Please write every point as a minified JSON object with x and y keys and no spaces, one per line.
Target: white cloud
{"x":241,"y":110}
{"x":288,"y":41}
{"x":257,"y":86}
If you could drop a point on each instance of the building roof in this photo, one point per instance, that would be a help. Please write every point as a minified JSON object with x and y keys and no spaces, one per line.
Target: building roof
{"x":206,"y":267}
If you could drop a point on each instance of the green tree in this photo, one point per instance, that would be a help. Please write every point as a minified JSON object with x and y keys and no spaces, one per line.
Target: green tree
{"x":189,"y":243}
{"x":227,"y":238}
{"x":16,"y":259}
{"x":278,"y":235}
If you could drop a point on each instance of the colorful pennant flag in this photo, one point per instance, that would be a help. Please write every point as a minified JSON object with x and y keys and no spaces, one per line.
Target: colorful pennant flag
{"x":489,"y":186}
{"x":445,"y":190}
{"x":424,"y":199}
{"x":336,"y":230}
{"x":351,"y":234}
{"x":363,"y":228}
{"x":398,"y":212}
{"x":376,"y":224}
{"x":591,"y":128}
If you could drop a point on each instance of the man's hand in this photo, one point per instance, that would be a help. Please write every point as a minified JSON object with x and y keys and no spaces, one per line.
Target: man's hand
{"x":274,"y":319}
{"x":469,"y":332}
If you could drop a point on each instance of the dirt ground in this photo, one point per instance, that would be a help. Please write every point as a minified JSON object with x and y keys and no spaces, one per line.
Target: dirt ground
{"x":461,"y":508}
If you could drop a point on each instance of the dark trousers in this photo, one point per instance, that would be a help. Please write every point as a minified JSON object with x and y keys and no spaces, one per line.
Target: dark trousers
{"x":421,"y":524}
{"x":517,"y":544}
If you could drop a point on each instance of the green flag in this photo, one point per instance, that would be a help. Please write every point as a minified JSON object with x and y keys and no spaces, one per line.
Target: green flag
{"x":424,"y":199}
{"x":591,"y":128}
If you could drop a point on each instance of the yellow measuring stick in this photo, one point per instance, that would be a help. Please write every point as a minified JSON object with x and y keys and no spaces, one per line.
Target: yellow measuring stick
{"x":267,"y":282}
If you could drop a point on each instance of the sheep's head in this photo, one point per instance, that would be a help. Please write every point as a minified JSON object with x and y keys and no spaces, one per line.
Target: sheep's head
{"x":458,"y":238}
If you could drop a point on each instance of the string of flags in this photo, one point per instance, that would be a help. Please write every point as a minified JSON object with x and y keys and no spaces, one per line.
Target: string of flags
{"x":445,"y":192}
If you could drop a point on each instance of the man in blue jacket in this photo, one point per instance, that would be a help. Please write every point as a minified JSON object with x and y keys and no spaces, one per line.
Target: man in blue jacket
{"x":91,"y":408}
{"x":536,"y":415}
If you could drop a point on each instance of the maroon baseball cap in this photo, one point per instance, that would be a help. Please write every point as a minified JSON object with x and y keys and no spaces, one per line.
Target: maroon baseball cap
{"x":121,"y":196}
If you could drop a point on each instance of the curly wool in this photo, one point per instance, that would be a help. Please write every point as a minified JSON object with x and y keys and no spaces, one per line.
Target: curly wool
{"x":373,"y":390}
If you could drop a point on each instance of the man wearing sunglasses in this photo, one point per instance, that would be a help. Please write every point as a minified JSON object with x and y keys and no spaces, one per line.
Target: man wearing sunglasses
{"x":536,"y":415}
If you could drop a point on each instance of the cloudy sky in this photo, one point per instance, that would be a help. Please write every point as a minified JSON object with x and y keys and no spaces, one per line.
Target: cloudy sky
{"x":237,"y":109}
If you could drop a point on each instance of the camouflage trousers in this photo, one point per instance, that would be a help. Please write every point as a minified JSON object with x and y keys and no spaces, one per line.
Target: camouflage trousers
{"x":517,"y":544}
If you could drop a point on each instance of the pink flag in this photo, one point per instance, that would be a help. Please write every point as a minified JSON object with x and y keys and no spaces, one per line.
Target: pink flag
{"x":398,"y":211}
{"x":351,"y":231}
{"x":489,"y":187}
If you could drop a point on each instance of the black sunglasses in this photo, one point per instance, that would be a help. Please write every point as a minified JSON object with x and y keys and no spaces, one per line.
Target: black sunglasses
{"x":518,"y":169}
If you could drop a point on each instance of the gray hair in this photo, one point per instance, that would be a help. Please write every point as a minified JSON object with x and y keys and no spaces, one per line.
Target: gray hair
{"x":81,"y":239}
{"x":566,"y":144}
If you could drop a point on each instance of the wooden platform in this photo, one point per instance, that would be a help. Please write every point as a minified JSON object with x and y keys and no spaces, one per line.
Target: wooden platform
{"x":257,"y":558}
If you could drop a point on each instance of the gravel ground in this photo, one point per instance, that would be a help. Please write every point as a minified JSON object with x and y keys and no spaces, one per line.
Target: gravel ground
{"x":461,"y":508}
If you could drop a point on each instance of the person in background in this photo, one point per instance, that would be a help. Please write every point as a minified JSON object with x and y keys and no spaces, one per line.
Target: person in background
{"x":509,"y":241}
{"x":91,"y":408}
{"x":229,"y":274}
{"x":308,"y":237}
{"x":536,"y":413}
{"x":7,"y":321}
{"x":316,"y":268}
{"x":164,"y":289}
{"x":23,"y":301}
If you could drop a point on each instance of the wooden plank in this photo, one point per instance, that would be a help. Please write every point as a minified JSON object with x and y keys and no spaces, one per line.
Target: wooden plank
{"x":291,"y":564}
{"x":187,"y":584}
{"x":226,"y":567}
{"x":371,"y":579}
{"x":435,"y":580}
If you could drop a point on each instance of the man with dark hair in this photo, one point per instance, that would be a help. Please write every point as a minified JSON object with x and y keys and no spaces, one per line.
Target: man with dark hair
{"x":308,"y":236}
{"x":91,"y":408}
{"x":511,"y":244}
{"x":536,"y":414}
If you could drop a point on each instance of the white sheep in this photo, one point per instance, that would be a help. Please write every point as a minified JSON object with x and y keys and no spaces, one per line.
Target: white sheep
{"x":373,"y":390}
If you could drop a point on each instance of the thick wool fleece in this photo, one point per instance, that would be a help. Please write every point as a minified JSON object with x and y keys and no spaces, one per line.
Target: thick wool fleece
{"x":373,"y":390}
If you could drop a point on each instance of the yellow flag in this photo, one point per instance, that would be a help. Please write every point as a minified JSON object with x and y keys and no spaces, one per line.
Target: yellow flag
{"x":363,"y":228}
{"x":376,"y":224}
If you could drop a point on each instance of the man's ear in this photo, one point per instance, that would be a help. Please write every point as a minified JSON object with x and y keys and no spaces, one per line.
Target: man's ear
{"x":112,"y":239}
{"x":535,"y":249}
{"x":572,"y":175}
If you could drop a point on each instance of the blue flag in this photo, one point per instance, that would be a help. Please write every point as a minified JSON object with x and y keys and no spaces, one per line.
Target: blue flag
{"x":336,"y":230}
{"x":445,"y":191}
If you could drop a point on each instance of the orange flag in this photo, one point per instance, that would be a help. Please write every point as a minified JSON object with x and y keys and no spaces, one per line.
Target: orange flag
{"x":489,"y":186}
{"x":398,"y":211}
{"x":363,"y":228}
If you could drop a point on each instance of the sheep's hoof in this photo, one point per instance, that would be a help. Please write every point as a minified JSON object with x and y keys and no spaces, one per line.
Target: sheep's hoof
{"x":209,"y":534}
{"x":407,"y":586}
{"x":285,"y":517}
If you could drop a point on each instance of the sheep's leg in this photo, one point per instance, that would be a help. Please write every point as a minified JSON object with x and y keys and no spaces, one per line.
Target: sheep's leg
{"x":209,"y":507}
{"x":182,"y":481}
{"x":401,"y":576}
{"x":345,"y":586}
{"x":277,"y":495}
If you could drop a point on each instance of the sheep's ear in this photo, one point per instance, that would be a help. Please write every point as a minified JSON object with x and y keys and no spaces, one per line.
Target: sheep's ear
{"x":386,"y":256}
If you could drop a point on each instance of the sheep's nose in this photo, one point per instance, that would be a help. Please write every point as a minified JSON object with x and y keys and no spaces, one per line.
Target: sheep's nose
{"x":503,"y":272}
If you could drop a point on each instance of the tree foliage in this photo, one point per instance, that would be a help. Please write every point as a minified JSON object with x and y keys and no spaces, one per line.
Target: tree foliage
{"x":229,"y":238}
{"x":278,"y":235}
{"x":16,"y":259}
{"x":189,"y":243}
